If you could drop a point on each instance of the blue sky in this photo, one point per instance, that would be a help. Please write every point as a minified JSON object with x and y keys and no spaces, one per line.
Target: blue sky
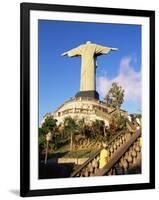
{"x":59,"y":77}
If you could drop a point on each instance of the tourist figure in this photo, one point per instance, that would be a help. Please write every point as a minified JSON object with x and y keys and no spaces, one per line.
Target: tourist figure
{"x":103,"y":156}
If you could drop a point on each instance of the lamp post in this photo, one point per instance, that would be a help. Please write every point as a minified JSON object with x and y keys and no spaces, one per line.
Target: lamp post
{"x":48,"y":139}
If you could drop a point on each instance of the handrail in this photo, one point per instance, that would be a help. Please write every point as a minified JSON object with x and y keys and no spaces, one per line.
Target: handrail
{"x":118,"y":154}
{"x":91,"y":158}
{"x":131,"y":125}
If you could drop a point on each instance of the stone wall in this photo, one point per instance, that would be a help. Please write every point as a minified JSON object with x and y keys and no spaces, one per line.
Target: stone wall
{"x":76,"y":161}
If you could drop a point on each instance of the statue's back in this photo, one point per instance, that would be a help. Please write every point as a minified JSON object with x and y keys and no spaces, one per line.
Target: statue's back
{"x":88,"y":49}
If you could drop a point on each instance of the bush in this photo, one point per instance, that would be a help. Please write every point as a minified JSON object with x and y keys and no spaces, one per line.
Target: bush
{"x":117,"y":122}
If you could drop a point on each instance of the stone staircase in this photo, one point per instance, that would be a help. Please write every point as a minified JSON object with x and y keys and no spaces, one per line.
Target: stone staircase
{"x":124,"y":155}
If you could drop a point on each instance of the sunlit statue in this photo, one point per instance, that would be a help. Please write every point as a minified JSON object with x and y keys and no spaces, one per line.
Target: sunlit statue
{"x":88,"y":53}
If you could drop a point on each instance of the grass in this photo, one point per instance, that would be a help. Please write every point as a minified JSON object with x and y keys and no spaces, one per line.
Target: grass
{"x":80,"y":154}
{"x":64,"y":152}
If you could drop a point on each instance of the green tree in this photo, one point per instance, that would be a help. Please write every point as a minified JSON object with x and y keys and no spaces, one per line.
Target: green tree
{"x":115,"y":96}
{"x":48,"y":125}
{"x":118,"y":121}
{"x":82,"y":126}
{"x":42,"y":140}
{"x":70,"y":127}
{"x":98,"y":128}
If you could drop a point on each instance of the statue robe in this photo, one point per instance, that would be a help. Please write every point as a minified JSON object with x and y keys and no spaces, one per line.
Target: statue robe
{"x":88,"y":53}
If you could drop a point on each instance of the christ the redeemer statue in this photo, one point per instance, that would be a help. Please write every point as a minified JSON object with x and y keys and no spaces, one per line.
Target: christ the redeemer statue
{"x":88,"y":53}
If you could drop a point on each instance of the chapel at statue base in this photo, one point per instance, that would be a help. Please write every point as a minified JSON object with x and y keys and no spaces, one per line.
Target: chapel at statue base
{"x":87,"y":108}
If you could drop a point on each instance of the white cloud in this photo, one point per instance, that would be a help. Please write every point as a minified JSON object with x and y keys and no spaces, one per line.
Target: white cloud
{"x":127,"y":77}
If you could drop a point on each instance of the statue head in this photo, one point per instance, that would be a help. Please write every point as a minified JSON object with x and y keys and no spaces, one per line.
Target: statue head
{"x":88,"y":42}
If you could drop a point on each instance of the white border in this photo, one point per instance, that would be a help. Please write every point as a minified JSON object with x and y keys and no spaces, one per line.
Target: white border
{"x":35,"y":183}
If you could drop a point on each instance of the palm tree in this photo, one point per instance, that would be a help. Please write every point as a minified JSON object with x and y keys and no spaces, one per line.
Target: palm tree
{"x":82,"y":126}
{"x":98,"y":127}
{"x":70,"y":127}
{"x":48,"y":129}
{"x":49,"y":125}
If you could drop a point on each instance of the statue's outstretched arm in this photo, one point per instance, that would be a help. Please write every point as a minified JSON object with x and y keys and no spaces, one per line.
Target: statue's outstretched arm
{"x":114,"y":49}
{"x":104,"y":50}
{"x":64,"y":54}
{"x":73,"y":52}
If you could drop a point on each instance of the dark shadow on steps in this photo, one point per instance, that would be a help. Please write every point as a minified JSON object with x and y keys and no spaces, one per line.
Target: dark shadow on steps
{"x":55,"y":170}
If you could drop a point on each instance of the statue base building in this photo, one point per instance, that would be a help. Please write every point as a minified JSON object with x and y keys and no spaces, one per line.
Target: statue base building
{"x":90,"y":109}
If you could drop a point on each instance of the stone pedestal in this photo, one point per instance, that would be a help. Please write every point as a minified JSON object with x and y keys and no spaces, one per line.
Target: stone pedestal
{"x":91,"y":93}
